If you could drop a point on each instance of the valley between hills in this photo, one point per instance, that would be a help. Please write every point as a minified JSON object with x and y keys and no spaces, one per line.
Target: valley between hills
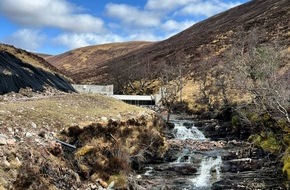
{"x":225,"y":104}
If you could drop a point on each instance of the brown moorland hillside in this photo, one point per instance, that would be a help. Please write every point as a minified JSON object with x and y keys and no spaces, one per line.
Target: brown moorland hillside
{"x":211,"y":37}
{"x":89,"y":58}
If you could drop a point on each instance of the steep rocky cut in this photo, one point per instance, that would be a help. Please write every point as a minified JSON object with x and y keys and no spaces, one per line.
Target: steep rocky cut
{"x":16,"y":74}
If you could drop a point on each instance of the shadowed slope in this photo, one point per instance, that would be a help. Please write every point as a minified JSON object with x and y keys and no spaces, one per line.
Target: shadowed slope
{"x":16,"y":74}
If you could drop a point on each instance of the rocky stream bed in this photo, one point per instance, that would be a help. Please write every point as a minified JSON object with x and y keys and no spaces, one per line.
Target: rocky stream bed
{"x":196,"y":162}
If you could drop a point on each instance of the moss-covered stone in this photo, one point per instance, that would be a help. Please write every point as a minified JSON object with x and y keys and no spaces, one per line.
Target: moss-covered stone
{"x":235,"y":120}
{"x":286,"y":139}
{"x":271,"y":144}
{"x":286,"y":163}
{"x":119,"y":180}
{"x":268,"y":142}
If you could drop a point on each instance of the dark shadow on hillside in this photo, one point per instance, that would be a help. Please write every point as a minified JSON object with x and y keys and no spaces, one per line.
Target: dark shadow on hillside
{"x":15,"y":74}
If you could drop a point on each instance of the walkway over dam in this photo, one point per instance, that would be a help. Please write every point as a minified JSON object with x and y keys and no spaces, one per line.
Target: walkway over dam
{"x":109,"y":91}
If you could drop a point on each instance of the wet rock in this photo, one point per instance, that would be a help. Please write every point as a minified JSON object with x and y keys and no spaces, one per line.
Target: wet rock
{"x":188,"y":124}
{"x":169,"y":125}
{"x":179,"y":168}
{"x":2,"y":141}
{"x":262,"y":179}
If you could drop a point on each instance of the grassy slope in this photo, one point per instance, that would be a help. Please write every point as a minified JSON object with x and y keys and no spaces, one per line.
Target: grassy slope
{"x":65,"y":110}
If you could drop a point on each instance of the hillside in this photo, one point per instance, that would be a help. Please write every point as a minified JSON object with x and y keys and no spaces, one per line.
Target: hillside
{"x":89,"y":58}
{"x":212,"y":37}
{"x":21,"y":69}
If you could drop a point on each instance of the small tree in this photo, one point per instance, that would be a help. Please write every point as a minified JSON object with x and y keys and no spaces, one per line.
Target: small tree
{"x":260,"y":71}
{"x":171,"y":86}
{"x":205,"y":76}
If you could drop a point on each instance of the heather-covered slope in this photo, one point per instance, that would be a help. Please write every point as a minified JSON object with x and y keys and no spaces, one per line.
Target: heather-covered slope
{"x":216,"y":34}
{"x":89,"y":58}
{"x":16,"y":73}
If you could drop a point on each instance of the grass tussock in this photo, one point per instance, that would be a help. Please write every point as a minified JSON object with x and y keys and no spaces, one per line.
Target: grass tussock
{"x":105,"y":131}
{"x":114,"y":148}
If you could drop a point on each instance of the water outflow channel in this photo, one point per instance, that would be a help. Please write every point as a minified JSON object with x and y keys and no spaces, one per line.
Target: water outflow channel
{"x":195,"y":162}
{"x":209,"y":169}
{"x":189,"y":168}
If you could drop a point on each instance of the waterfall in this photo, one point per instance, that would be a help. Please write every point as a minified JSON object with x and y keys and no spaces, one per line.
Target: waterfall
{"x":149,"y":171}
{"x":205,"y":178}
{"x":182,"y":132}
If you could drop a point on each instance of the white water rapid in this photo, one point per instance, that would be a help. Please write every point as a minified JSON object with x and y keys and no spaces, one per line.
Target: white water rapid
{"x":182,"y":132}
{"x":207,"y":166}
{"x":188,"y":157}
{"x":184,"y":158}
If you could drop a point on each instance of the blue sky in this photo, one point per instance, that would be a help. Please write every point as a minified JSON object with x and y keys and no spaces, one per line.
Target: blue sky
{"x":57,"y":26}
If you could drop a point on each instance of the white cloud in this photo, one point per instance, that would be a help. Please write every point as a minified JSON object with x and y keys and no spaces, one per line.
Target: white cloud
{"x":27,"y":39}
{"x":206,"y":8}
{"x":145,"y":36}
{"x":166,"y":4}
{"x":172,"y":25}
{"x":52,"y":13}
{"x":157,"y":20}
{"x":75,"y":40}
{"x":132,"y":15}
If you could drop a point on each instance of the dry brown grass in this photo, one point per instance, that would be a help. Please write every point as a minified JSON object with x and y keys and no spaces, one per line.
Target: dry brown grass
{"x":104,"y":129}
{"x":66,"y":110}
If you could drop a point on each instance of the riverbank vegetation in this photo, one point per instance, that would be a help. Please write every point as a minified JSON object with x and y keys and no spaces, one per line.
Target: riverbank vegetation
{"x":249,"y":89}
{"x":258,"y":72}
{"x":107,"y":138}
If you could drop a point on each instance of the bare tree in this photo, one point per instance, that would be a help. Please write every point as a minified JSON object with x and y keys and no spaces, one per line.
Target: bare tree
{"x":137,"y":79}
{"x":260,"y":71}
{"x":205,"y":77}
{"x":171,"y":86}
{"x":141,"y":77}
{"x":221,"y":75}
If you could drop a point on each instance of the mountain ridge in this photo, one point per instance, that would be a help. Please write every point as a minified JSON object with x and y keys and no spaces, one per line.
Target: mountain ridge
{"x":211,"y":37}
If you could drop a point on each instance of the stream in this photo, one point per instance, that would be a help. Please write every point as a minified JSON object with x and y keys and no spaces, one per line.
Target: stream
{"x":195,"y":162}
